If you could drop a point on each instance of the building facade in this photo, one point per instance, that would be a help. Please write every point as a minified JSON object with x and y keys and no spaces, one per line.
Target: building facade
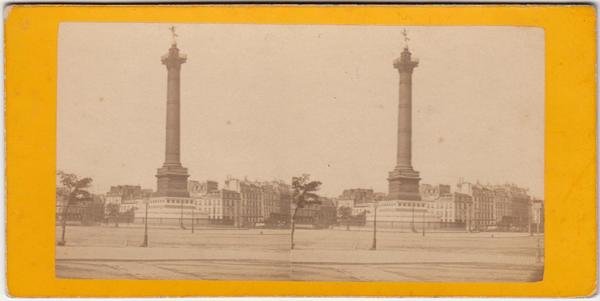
{"x":321,"y":215}
{"x":537,"y":214}
{"x":270,"y":203}
{"x":481,"y":215}
{"x":502,"y":207}
{"x":219,"y":206}
{"x":433,"y":192}
{"x":341,"y":202}
{"x":197,"y":188}
{"x":520,"y":203}
{"x":358,"y":195}
{"x":249,"y":212}
{"x":452,"y":210}
{"x":125,"y":196}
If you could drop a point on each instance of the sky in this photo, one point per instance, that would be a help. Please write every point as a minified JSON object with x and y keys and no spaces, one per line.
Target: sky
{"x":275,"y":101}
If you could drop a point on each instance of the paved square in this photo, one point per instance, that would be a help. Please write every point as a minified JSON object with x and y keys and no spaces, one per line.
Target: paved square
{"x":107,"y":252}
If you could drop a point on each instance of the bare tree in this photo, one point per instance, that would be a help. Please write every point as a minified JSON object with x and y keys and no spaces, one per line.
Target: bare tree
{"x":303,"y":195}
{"x":73,"y":191}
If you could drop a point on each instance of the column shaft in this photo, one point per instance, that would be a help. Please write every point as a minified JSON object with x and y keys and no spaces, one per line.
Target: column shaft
{"x":404,"y":150}
{"x":172,"y":154}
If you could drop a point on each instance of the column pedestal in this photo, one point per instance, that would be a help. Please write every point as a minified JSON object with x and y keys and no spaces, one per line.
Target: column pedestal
{"x":404,"y":185}
{"x":172,"y":181}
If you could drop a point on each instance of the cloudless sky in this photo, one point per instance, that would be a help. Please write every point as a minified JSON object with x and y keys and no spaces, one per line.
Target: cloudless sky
{"x":270,"y":102}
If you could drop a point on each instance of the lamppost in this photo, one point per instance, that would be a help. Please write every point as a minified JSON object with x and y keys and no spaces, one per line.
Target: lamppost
{"x":412,"y":223}
{"x":471,"y":216}
{"x":467,"y":216}
{"x":193,"y":209}
{"x":145,"y":242}
{"x":374,"y":245}
{"x":529,"y":219}
{"x":181,"y":217}
{"x":423,"y":220}
{"x":538,"y":257}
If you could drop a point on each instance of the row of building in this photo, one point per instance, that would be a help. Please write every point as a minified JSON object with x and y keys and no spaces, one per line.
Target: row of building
{"x":245,"y":203}
{"x":239,"y":203}
{"x":469,"y":206}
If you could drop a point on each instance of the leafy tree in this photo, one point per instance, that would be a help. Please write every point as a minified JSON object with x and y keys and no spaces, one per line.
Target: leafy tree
{"x":361,"y":218}
{"x":304,"y":194}
{"x":345,"y":214}
{"x":129,"y":215}
{"x":73,"y":191}
{"x":92,"y":212}
{"x":277,"y":220}
{"x":113,"y":213}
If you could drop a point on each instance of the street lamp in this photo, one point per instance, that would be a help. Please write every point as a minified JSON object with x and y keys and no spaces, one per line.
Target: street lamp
{"x":423,"y":220}
{"x":193,"y":209}
{"x":374,"y":245}
{"x":529,"y":217}
{"x":538,"y":258}
{"x":538,"y":220}
{"x":145,"y":242}
{"x":412,"y":223}
{"x":181,"y":217}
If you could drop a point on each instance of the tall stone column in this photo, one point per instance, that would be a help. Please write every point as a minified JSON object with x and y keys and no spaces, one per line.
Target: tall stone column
{"x":172,"y":176}
{"x":404,"y":180}
{"x":173,"y":62}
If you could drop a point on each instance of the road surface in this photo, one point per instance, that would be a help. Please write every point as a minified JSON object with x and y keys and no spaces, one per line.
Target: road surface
{"x":103,"y":252}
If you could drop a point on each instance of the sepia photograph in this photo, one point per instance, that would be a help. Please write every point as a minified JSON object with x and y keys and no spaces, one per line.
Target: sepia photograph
{"x":300,"y":152}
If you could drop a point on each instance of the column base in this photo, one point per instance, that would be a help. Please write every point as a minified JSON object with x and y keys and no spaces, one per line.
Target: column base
{"x":404,"y":184}
{"x":172,"y":181}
